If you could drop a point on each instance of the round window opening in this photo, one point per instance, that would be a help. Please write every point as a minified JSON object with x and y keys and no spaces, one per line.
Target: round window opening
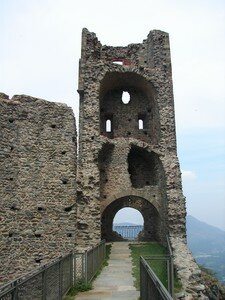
{"x":125,"y":97}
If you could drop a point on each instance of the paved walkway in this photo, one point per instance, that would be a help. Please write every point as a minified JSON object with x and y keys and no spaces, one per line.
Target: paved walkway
{"x":115,"y":280}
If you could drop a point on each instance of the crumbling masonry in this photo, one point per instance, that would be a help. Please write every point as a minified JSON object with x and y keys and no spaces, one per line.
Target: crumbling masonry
{"x":37,"y":183}
{"x":127,"y":146}
{"x":127,"y":158}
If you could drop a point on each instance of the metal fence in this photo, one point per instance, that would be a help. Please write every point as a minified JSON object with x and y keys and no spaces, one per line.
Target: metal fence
{"x":93,"y":259}
{"x":52,"y":281}
{"x":157,"y":276}
{"x":128,"y":232}
{"x":150,"y":285}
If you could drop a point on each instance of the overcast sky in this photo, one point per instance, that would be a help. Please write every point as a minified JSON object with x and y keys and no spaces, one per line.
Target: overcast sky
{"x":40,"y":49}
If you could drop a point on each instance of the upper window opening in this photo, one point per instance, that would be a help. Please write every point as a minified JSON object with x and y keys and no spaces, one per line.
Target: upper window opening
{"x":125,"y":97}
{"x":118,"y":62}
{"x":108,"y":125}
{"x":140,"y":124}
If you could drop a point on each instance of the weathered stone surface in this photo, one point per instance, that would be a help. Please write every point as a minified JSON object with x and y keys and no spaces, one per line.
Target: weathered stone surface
{"x":37,"y":150}
{"x":127,"y":151}
{"x":127,"y":158}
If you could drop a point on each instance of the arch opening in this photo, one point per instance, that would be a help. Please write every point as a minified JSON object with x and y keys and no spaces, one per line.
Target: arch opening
{"x":152,"y":226}
{"x":128,"y":223}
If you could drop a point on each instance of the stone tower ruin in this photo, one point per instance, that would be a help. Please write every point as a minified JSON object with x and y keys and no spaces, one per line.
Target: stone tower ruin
{"x":51,"y":203}
{"x":127,"y":143}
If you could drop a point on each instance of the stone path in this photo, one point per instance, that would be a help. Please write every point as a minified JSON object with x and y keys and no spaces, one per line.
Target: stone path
{"x":115,"y":280}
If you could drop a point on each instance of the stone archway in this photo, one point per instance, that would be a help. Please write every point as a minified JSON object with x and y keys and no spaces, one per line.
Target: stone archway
{"x":152,"y":226}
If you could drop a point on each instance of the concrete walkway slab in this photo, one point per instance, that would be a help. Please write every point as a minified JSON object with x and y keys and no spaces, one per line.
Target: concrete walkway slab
{"x":116,"y":280}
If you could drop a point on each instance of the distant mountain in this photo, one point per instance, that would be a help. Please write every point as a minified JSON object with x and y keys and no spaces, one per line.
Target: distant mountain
{"x":125,"y":224}
{"x":207,"y":244}
{"x":204,"y":238}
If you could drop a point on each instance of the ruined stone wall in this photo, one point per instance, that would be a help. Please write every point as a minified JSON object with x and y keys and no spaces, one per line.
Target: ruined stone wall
{"x":37,"y":183}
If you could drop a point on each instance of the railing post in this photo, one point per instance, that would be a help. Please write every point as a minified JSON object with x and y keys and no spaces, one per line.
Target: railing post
{"x":60,"y":278}
{"x":71,"y":269}
{"x":15,"y":291}
{"x":171,"y":269}
{"x":44,"y":284}
{"x":172,"y":276}
{"x":86,"y":266}
{"x":141,"y":280}
{"x":98,"y":256}
{"x":92,"y":261}
{"x":74,"y":269}
{"x":168,"y":275}
{"x":104,"y":250}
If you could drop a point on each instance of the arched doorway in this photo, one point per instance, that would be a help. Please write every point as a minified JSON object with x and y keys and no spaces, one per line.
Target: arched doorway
{"x":152,"y":226}
{"x":128,"y":223}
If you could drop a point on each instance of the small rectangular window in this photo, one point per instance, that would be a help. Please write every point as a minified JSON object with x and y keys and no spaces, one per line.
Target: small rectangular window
{"x":108,"y":125}
{"x":141,"y":121}
{"x":140,"y":124}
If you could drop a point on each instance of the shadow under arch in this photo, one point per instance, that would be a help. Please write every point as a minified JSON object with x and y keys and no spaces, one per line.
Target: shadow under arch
{"x":152,"y":230}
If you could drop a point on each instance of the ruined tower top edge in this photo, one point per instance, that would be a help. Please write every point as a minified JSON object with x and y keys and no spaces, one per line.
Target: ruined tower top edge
{"x":86,"y":32}
{"x":157,"y":43}
{"x":153,"y":53}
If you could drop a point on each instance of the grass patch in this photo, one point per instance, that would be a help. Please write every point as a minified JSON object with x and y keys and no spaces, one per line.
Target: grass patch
{"x":177,"y":284}
{"x":79,"y":287}
{"x":107,"y":254}
{"x":158,"y":266}
{"x":146,"y":249}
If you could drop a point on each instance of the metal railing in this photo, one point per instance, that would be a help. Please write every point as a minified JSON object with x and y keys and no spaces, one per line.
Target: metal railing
{"x":94,"y":259}
{"x":52,"y":281}
{"x":128,"y":232}
{"x":157,"y":275}
{"x":150,"y":285}
{"x":170,"y":268}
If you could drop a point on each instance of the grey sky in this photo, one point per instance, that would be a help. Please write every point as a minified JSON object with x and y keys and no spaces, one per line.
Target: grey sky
{"x":40,"y":49}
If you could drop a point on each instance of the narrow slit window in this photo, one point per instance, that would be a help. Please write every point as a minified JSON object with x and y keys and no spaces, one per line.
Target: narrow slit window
{"x":140,"y":124}
{"x":108,"y":125}
{"x":125,"y":97}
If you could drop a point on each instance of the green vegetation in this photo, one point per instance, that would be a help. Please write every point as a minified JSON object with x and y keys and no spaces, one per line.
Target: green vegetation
{"x":177,"y":284}
{"x":214,"y":263}
{"x":81,"y":286}
{"x":214,"y":289}
{"x":147,"y":249}
{"x":107,"y":254}
{"x":158,"y":266}
{"x":209,"y":276}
